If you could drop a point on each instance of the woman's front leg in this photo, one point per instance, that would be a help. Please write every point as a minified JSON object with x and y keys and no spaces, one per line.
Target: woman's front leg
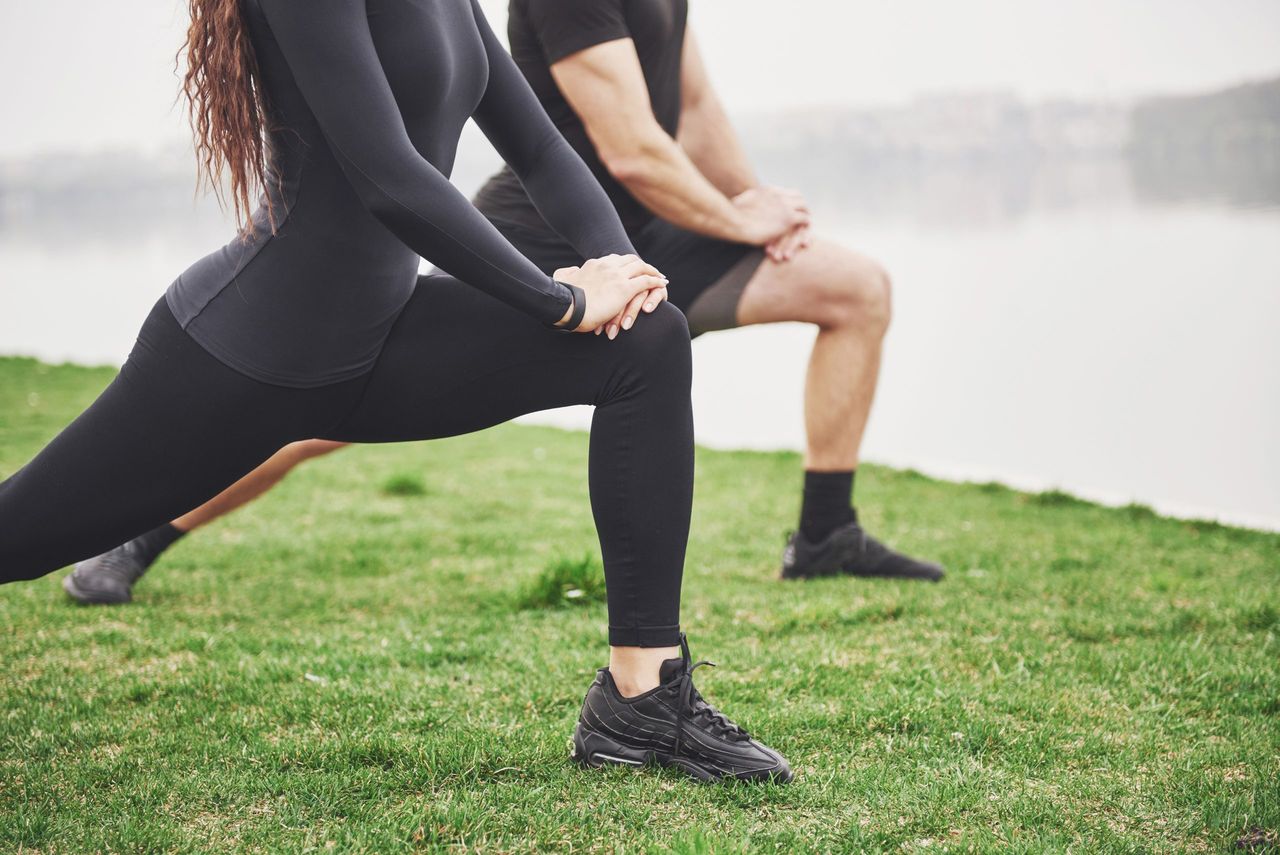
{"x":458,"y":362}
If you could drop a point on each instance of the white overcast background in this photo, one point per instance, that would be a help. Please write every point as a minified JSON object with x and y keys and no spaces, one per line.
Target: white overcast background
{"x":89,"y":75}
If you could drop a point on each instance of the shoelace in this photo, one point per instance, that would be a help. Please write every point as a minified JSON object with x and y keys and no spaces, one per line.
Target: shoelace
{"x":685,"y":709}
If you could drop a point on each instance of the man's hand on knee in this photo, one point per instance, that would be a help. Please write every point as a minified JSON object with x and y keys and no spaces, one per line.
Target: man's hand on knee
{"x":770,"y":214}
{"x":789,"y":245}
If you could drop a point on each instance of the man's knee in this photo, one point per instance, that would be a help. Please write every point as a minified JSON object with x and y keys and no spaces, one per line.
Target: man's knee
{"x":864,"y":296}
{"x":310,"y":448}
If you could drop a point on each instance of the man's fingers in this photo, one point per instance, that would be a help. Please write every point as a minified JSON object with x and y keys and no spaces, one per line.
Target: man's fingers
{"x":799,"y":241}
{"x":792,"y":245}
{"x":794,"y":200}
{"x":791,"y":197}
{"x":785,"y":247}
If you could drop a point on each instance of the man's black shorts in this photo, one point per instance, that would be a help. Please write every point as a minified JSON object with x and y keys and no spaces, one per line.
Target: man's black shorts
{"x":707,"y":275}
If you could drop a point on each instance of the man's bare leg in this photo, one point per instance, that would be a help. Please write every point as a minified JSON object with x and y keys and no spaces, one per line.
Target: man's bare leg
{"x":256,"y":483}
{"x":847,"y":295}
{"x":109,"y":578}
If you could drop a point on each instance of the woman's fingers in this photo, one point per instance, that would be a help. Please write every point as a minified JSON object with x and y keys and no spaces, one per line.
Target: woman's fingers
{"x":641,"y":268}
{"x":633,"y":308}
{"x":653,"y":298}
{"x":639,"y":284}
{"x":645,"y":300}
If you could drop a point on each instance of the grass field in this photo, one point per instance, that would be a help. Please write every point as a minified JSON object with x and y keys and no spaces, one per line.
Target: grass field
{"x":375,"y":659}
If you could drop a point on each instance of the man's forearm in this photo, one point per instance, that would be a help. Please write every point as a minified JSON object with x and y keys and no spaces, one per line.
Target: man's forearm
{"x":709,"y":139}
{"x":665,"y":180}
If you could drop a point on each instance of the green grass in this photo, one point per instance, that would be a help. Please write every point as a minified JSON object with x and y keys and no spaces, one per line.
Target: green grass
{"x":405,"y":485}
{"x":565,"y":582}
{"x":350,"y":665}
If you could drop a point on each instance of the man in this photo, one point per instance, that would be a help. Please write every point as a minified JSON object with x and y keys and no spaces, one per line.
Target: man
{"x":625,"y":83}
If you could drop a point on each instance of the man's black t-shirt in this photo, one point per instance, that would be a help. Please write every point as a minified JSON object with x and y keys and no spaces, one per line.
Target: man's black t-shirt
{"x":543,"y":32}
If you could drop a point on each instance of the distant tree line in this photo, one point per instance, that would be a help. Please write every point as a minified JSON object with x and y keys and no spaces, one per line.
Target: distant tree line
{"x":1224,"y":144}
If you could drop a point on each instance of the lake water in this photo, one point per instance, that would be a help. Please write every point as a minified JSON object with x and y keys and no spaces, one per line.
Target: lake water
{"x":1062,"y":326}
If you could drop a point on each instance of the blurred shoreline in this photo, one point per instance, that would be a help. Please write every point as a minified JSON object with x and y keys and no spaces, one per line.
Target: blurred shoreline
{"x":944,"y":161}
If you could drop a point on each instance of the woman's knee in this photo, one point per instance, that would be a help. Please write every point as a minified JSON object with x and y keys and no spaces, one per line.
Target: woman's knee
{"x":655,"y":353}
{"x":659,"y":341}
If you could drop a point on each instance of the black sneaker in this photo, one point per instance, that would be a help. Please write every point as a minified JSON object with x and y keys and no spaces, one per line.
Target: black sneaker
{"x":107,"y":579}
{"x":670,"y":726}
{"x":850,"y":551}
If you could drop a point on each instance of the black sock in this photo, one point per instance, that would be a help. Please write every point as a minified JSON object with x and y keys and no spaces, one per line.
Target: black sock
{"x":149,"y":546}
{"x":828,"y":503}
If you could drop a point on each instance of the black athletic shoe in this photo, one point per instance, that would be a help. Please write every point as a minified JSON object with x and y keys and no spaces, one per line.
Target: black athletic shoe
{"x":670,"y":726}
{"x":109,"y":578}
{"x":850,"y":551}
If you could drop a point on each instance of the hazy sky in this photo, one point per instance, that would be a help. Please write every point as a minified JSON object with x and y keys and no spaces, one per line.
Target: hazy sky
{"x":92,"y":74}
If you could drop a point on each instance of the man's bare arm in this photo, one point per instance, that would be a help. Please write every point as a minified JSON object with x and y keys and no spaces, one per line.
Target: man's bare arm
{"x":705,"y":132}
{"x":605,"y":85}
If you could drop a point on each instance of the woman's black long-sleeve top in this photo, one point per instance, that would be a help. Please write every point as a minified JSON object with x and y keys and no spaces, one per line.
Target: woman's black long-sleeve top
{"x":367,"y":101}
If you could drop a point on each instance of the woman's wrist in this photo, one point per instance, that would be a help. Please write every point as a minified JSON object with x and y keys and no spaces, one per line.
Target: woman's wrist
{"x":572,"y":317}
{"x":568,"y":313}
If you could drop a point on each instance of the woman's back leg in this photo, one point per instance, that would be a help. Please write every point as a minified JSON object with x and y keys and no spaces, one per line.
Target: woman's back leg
{"x":170,"y":431}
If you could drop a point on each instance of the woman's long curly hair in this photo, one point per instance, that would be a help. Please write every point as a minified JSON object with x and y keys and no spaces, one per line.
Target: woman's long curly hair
{"x":226,"y":105}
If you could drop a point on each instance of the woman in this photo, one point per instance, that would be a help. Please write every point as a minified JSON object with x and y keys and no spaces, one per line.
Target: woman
{"x":314,"y":323}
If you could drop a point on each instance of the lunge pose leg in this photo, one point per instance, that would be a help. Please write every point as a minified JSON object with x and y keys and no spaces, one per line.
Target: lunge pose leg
{"x":109,"y":578}
{"x":313,"y":324}
{"x":627,"y":87}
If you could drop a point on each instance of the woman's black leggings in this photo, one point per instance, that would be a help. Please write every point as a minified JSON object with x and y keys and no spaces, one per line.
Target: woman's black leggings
{"x":177,"y":426}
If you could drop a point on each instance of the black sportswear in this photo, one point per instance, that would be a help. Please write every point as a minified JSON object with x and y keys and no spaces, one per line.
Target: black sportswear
{"x":707,"y":275}
{"x":850,"y":551}
{"x":324,"y":330}
{"x":543,"y":32}
{"x":827,"y":503}
{"x":671,"y":725}
{"x":109,"y":578}
{"x":367,"y":99}
{"x":454,"y":361}
{"x":106,"y":579}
